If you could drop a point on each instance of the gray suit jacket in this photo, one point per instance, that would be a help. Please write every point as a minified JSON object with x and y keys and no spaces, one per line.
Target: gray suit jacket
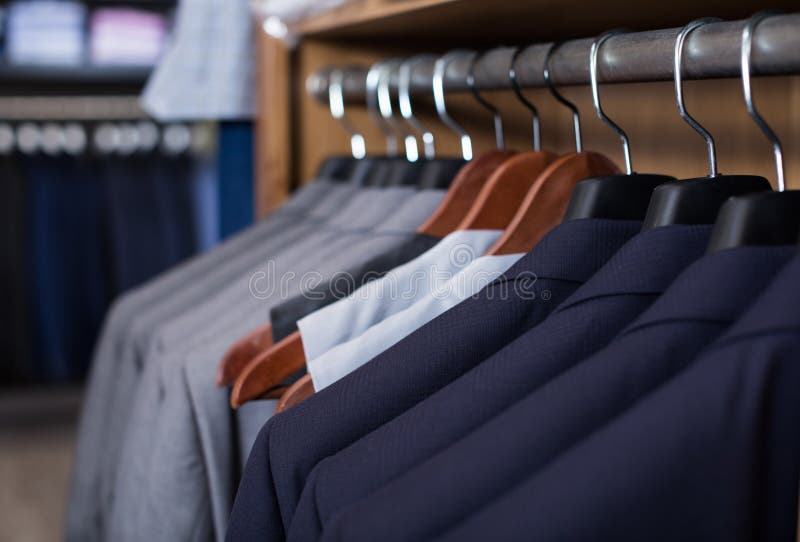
{"x":243,"y":310}
{"x":120,"y":346}
{"x":81,"y":514}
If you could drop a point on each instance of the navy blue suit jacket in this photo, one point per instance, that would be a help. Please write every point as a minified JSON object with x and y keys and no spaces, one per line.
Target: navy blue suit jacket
{"x":702,"y":302}
{"x":632,"y":279}
{"x":713,"y":454}
{"x":291,"y":444}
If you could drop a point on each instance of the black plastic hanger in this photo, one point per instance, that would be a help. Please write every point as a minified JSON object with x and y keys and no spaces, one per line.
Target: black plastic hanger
{"x":436,"y":172}
{"x":337,"y":168}
{"x":696,"y":201}
{"x":360,"y":166}
{"x":769,"y":218}
{"x":616,"y":197}
{"x":393,"y":169}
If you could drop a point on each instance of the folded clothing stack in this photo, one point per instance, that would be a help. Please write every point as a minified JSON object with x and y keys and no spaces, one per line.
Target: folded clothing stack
{"x":46,"y":32}
{"x":126,"y":36}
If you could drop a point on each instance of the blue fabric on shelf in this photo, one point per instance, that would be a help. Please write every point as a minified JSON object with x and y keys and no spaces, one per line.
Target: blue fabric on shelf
{"x":235,"y":176}
{"x":205,"y":197}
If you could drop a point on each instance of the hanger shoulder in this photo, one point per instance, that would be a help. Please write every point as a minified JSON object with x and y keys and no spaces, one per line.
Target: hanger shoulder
{"x":505,"y":189}
{"x":297,"y":393}
{"x":546,"y":202}
{"x":760,"y":219}
{"x":462,"y":193}
{"x":269,"y":369}
{"x":698,"y":201}
{"x":242,"y":353}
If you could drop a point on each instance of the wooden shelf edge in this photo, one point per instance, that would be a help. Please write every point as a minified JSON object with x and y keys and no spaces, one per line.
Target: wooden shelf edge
{"x":358,"y":13}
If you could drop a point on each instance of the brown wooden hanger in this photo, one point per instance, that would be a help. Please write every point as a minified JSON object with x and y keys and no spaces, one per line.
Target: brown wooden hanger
{"x":500,"y":198}
{"x":545,"y":204}
{"x":296,"y":394}
{"x":463,"y":193}
{"x":268,"y":370}
{"x":242,"y":353}
{"x":497,"y":203}
{"x":473,"y":177}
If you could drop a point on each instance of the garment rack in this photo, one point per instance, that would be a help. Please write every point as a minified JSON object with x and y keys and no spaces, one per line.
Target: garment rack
{"x":712,"y":51}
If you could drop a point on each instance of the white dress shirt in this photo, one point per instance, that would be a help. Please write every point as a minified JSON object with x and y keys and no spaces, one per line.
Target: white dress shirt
{"x":345,"y":358}
{"x":397,"y":290}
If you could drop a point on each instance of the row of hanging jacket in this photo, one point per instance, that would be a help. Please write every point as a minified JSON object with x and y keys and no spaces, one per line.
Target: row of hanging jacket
{"x":506,"y":346}
{"x":83,"y":221}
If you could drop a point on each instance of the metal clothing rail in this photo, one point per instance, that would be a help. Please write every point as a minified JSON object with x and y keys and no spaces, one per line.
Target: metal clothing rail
{"x":712,"y":51}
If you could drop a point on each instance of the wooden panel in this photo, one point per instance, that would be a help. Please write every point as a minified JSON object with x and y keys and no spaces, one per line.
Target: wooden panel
{"x":273,"y":137}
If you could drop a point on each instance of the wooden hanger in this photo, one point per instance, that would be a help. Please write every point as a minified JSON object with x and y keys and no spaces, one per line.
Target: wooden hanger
{"x":472,"y":178}
{"x":497,"y":203}
{"x":240,"y":354}
{"x":268,"y":370}
{"x":500,"y":198}
{"x":546,"y":202}
{"x":463,"y":193}
{"x":296,"y":394}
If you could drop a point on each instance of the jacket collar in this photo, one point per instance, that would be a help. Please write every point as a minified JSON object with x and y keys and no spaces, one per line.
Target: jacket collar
{"x":718,"y":287}
{"x":646,"y":264}
{"x":574,"y":250}
{"x":778,"y":305}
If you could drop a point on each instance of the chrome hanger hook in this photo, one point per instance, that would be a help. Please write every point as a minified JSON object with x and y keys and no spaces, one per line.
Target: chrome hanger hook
{"x":358,"y":146}
{"x":678,"y":68}
{"x":373,"y":81}
{"x":512,"y":76}
{"x":404,"y":94}
{"x":439,"y":71}
{"x":595,"y":53}
{"x":747,"y":49}
{"x":576,"y":116}
{"x":499,"y":136}
{"x":388,"y":68}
